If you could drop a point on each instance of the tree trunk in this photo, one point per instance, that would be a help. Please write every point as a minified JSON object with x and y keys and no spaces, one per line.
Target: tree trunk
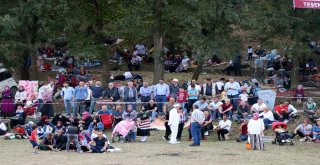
{"x":197,"y":71}
{"x":295,"y":76}
{"x":157,"y":40}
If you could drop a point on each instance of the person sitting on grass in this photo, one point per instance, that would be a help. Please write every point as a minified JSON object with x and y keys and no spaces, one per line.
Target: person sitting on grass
{"x":60,"y":140}
{"x":243,"y":111}
{"x":316,"y":132}
{"x":244,"y":131}
{"x":310,"y":107}
{"x":96,"y":123}
{"x":226,"y":109}
{"x":101,"y":144}
{"x":60,"y":126}
{"x":47,"y":143}
{"x":86,"y":119}
{"x":223,"y":127}
{"x":117,"y":115}
{"x":267,"y":117}
{"x":304,"y":130}
{"x":281,"y":112}
{"x":3,"y":128}
{"x":104,"y":110}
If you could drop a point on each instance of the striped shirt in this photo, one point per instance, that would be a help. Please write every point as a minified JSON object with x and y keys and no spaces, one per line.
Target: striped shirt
{"x":144,"y":124}
{"x":197,"y":116}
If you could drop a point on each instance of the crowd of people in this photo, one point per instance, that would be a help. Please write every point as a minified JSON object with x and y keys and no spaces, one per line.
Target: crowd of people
{"x":129,"y":109}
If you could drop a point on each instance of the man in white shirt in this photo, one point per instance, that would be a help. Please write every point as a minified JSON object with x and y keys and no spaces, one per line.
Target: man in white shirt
{"x":258,"y":107}
{"x":268,"y":117}
{"x":135,"y":61}
{"x":220,"y":86}
{"x":214,"y":107}
{"x":232,"y":87}
{"x":174,"y":120}
{"x":223,"y":127}
{"x":161,"y":92}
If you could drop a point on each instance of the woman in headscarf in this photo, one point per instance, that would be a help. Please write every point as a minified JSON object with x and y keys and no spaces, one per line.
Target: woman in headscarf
{"x":96,"y":123}
{"x":47,"y":109}
{"x":310,"y":107}
{"x":86,"y":119}
{"x":255,"y":131}
{"x":21,"y":96}
{"x":59,"y":117}
{"x":7,"y":107}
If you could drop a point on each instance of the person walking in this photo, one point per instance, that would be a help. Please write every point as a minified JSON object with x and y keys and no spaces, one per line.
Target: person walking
{"x":72,"y":135}
{"x":197,"y":119}
{"x":174,"y":120}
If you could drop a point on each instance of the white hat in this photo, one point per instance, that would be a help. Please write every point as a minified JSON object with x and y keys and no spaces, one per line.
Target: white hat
{"x":175,"y":80}
{"x":176,"y":105}
{"x":30,"y":123}
{"x":28,"y":104}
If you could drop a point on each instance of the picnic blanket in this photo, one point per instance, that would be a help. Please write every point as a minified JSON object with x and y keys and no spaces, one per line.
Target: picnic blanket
{"x":123,"y":128}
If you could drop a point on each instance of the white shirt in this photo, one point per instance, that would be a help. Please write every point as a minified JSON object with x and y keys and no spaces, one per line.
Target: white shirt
{"x":174,"y":118}
{"x":258,"y":108}
{"x":244,"y":97}
{"x":3,"y":126}
{"x":255,"y":126}
{"x":219,"y":85}
{"x":21,"y":96}
{"x":225,"y":124}
{"x":161,"y":90}
{"x":215,"y":106}
{"x":235,"y":88}
{"x":89,"y":94}
{"x":41,"y":91}
{"x":197,"y":116}
{"x":250,"y":50}
{"x":268,"y":115}
{"x":127,"y":75}
{"x":292,"y":108}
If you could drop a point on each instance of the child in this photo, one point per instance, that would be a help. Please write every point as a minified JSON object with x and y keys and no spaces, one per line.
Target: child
{"x":182,"y":97}
{"x":244,"y":96}
{"x":244,"y":131}
{"x":19,"y":111}
{"x":33,"y":139}
{"x":283,"y":133}
{"x":299,"y":94}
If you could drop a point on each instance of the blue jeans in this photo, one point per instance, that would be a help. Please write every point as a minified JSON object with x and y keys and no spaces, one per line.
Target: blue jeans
{"x":40,"y":102}
{"x":213,"y":114}
{"x":196,"y":132}
{"x":73,"y":137}
{"x":154,"y":114}
{"x":267,"y":122}
{"x":243,"y":137}
{"x":145,"y":99}
{"x":92,"y":104}
{"x":78,"y":103}
{"x":68,"y":104}
{"x":229,"y":114}
{"x":160,"y":101}
{"x":234,"y":101}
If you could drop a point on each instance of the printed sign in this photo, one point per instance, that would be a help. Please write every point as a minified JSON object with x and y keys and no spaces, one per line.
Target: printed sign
{"x":308,"y":4}
{"x":268,"y":97}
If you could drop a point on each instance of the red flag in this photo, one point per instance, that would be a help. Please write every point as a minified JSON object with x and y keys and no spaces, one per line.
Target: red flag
{"x":309,"y":4}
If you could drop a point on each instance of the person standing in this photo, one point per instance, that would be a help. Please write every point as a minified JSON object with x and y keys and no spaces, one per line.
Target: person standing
{"x":209,"y":89}
{"x":232,"y":87}
{"x":145,"y":92}
{"x":97,"y":91}
{"x":197,"y":119}
{"x":250,"y":53}
{"x":111,"y":93}
{"x":166,"y":110}
{"x":47,"y":108}
{"x":7,"y":104}
{"x":161,"y":92}
{"x":237,"y":64}
{"x":130,"y":95}
{"x":174,"y":120}
{"x":80,"y":95}
{"x":255,"y":131}
{"x":67,"y":93}
{"x":193,"y":95}
{"x":174,"y":88}
{"x":72,"y":135}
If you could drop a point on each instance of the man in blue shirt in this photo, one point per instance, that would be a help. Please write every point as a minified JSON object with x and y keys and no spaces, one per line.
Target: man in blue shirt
{"x":104,"y":110}
{"x":80,"y":96}
{"x":161,"y":92}
{"x":97,"y":92}
{"x":67,"y":93}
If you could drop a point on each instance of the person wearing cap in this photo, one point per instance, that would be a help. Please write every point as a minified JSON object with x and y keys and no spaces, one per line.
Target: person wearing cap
{"x":197,"y":119}
{"x":174,"y":88}
{"x":174,"y":120}
{"x":161,"y":92}
{"x":209,"y":89}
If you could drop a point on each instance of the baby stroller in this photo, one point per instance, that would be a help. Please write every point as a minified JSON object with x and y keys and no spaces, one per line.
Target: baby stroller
{"x":282,"y":135}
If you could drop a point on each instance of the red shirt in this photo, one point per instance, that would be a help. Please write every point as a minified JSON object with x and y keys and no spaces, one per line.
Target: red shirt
{"x":33,"y":135}
{"x":225,"y":106}
{"x":182,"y":96}
{"x":280,"y":108}
{"x":244,"y":129}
